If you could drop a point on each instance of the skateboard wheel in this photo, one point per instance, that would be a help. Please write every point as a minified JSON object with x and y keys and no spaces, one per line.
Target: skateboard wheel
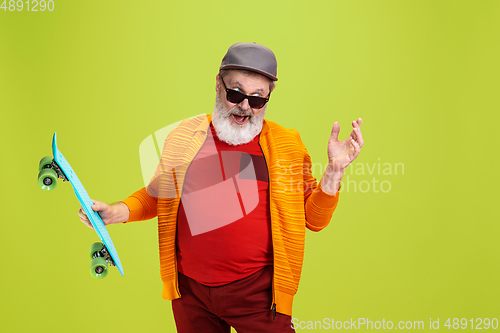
{"x":45,"y":162}
{"x":47,"y":179}
{"x":99,"y":268}
{"x":95,"y":248}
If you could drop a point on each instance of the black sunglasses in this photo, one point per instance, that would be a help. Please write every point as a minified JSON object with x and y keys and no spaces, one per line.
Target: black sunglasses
{"x":236,"y":97}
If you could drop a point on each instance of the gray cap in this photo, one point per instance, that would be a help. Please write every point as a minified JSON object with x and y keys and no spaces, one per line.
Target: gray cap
{"x":253,"y":57}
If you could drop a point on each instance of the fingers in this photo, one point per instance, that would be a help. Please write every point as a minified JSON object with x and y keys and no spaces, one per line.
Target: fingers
{"x":83,"y":217}
{"x":99,"y":206}
{"x":354,"y":135}
{"x":335,"y":132}
{"x":357,"y":149}
{"x":82,"y":214}
{"x":357,"y":123}
{"x":104,"y":210}
{"x":95,"y":205}
{"x":356,"y":132}
{"x":358,"y":137}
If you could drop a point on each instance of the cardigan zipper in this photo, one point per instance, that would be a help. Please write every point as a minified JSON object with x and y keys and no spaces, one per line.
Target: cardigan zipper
{"x":273,"y":306}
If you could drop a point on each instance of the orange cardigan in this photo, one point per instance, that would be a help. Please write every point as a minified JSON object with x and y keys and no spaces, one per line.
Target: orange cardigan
{"x":296,"y":202}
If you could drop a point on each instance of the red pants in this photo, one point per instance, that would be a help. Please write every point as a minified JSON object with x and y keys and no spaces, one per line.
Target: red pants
{"x":244,"y":304}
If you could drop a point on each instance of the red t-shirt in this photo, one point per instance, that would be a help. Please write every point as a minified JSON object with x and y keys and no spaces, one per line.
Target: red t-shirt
{"x":224,"y":224}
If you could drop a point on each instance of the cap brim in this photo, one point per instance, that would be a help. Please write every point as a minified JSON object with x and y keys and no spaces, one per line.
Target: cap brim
{"x":252,"y":69}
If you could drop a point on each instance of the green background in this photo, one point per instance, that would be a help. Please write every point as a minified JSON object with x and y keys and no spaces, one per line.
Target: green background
{"x":424,"y":76}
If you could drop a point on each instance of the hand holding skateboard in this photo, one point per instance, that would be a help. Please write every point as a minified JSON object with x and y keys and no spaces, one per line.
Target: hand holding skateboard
{"x":110,"y":214}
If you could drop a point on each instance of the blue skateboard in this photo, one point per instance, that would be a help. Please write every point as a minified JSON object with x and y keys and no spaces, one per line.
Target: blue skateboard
{"x":100,"y":253}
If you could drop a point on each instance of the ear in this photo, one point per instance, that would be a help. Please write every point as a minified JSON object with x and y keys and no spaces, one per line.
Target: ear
{"x":274,"y":86}
{"x":217,"y":83}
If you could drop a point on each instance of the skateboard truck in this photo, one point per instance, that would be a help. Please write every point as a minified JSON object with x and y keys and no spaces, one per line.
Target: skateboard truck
{"x":49,"y":173}
{"x":103,"y":253}
{"x":59,"y":172}
{"x":100,"y":257}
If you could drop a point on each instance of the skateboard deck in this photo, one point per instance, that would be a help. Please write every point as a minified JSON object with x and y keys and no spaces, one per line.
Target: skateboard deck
{"x":86,"y":203}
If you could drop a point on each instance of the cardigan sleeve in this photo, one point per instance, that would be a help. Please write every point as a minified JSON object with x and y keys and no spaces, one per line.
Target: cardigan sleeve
{"x":319,"y":205}
{"x":142,"y":206}
{"x":319,"y":208}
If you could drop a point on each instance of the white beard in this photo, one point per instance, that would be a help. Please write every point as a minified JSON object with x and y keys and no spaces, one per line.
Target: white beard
{"x":230,"y":132}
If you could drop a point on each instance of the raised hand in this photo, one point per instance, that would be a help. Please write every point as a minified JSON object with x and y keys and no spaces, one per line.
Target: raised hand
{"x":342,"y":153}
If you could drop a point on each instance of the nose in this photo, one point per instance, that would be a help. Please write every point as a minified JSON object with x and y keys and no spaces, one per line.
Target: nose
{"x":244,"y":105}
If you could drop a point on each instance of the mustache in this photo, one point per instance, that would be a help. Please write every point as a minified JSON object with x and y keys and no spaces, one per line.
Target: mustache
{"x":237,"y":110}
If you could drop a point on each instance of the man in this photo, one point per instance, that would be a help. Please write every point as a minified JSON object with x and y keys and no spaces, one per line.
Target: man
{"x":234,"y":194}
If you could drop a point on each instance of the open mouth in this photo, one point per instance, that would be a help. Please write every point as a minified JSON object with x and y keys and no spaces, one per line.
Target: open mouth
{"x":240,"y":119}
